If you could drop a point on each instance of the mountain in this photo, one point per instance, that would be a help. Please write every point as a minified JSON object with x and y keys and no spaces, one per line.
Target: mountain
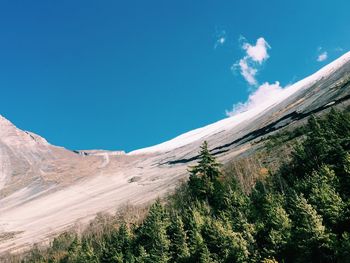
{"x":45,"y":189}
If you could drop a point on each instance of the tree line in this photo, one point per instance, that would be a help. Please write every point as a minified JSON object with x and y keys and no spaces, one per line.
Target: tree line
{"x":301,"y":213}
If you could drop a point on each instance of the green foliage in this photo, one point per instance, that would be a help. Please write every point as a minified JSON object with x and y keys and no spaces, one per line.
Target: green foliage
{"x":153,"y":234}
{"x":301,"y":213}
{"x":222,"y":241}
{"x":324,"y":196}
{"x":87,"y":253}
{"x":203,"y":182}
{"x":280,"y":138}
{"x":143,"y":256}
{"x":310,"y":239}
{"x":344,"y":248}
{"x":178,"y":240}
{"x":117,"y":245}
{"x":273,"y":226}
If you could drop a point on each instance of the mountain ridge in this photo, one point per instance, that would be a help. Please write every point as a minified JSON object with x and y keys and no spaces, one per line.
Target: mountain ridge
{"x":45,"y":189}
{"x":288,"y":91}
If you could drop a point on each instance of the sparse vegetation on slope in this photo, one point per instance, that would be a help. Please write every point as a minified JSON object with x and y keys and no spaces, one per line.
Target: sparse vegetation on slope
{"x":301,"y":213}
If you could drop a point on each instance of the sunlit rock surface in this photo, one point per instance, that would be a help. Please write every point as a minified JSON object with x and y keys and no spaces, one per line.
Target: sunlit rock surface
{"x":45,"y":189}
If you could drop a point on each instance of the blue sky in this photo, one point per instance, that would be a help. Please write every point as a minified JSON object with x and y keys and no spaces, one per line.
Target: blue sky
{"x":129,"y":74}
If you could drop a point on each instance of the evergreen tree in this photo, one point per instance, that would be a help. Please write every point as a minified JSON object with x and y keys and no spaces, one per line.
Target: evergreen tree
{"x":193,"y":225}
{"x":178,"y":240}
{"x":274,"y":227}
{"x":117,"y":245}
{"x":344,"y":177}
{"x":153,"y":234}
{"x":324,"y":197}
{"x":143,"y":256}
{"x":234,"y":201}
{"x":204,"y":176}
{"x":343,"y":248}
{"x":224,"y":243}
{"x":73,"y":250}
{"x":204,"y":255}
{"x":310,"y":240}
{"x":314,"y":150}
{"x":86,"y":253}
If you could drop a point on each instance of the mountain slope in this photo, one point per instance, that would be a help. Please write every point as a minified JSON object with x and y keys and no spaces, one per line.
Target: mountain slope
{"x":45,"y":189}
{"x":236,"y":120}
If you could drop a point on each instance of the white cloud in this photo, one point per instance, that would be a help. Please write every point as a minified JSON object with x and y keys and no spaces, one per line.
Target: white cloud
{"x":255,"y":56}
{"x":219,"y":42}
{"x":221,"y":39}
{"x":247,"y":71}
{"x":257,"y":53}
{"x":264,"y":95}
{"x":322,"y":57}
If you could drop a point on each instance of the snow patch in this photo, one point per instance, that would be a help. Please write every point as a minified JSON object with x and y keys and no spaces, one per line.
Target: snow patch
{"x":253,"y":108}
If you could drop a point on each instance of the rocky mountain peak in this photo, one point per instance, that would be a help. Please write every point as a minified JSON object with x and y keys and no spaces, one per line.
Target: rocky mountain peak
{"x":12,"y":136}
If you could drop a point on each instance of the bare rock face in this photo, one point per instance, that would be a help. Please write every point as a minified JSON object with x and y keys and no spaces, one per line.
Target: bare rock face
{"x":20,"y":154}
{"x":28,"y":160}
{"x":45,"y":189}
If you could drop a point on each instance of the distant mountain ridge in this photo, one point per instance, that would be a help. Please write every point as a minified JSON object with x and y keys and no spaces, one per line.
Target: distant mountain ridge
{"x":45,"y":189}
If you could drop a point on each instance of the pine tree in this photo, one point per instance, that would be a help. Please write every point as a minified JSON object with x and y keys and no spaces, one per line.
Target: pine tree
{"x":193,"y":224}
{"x":343,"y":248}
{"x":338,"y":122}
{"x":178,"y":240}
{"x":324,"y":197}
{"x":153,"y":234}
{"x":143,"y":256}
{"x":235,"y":204}
{"x":223,"y":242}
{"x":344,"y":177}
{"x":125,"y":241}
{"x":273,"y":226}
{"x":204,"y":255}
{"x":87,"y":254}
{"x":117,"y":245}
{"x":204,"y":175}
{"x":314,"y":150}
{"x":73,"y":250}
{"x":310,"y":239}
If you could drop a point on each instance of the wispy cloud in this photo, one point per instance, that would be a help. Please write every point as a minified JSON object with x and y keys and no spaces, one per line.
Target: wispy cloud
{"x":247,"y":71}
{"x":249,"y":66}
{"x":322,"y":57}
{"x":255,"y":55}
{"x":220,"y":39}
